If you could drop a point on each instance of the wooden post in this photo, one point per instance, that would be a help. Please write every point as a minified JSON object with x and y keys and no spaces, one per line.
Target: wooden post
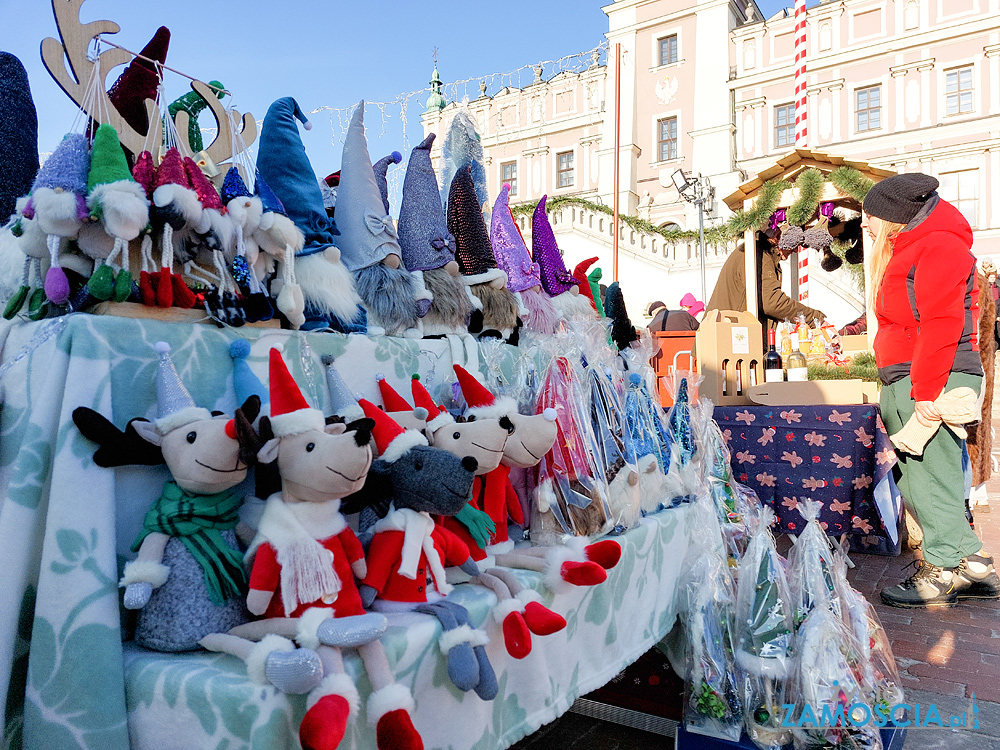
{"x":618,"y":118}
{"x":750,"y":270}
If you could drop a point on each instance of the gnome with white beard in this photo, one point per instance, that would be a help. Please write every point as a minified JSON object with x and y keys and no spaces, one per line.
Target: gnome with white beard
{"x":557,"y":281}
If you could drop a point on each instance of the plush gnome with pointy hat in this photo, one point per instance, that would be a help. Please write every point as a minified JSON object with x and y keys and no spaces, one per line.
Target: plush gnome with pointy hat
{"x":557,"y":281}
{"x":429,"y":248}
{"x":119,"y":203}
{"x":18,"y":135}
{"x":343,"y":402}
{"x":58,"y":205}
{"x":523,"y":274}
{"x":368,"y":239}
{"x":175,"y":211}
{"x":279,"y":240}
{"x":328,"y":290}
{"x":474,"y":254}
{"x":463,"y":148}
{"x":580,"y":274}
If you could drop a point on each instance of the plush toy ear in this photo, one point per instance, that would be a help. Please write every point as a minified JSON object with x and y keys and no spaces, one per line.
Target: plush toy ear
{"x":147,"y":431}
{"x":247,"y":438}
{"x":269,"y":452}
{"x":334,"y":418}
{"x":336,"y":428}
{"x":217,"y":413}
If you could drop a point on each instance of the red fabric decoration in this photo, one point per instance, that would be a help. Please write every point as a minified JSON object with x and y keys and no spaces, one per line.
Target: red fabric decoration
{"x":171,"y":170}
{"x":144,"y":172}
{"x":206,"y":191}
{"x":164,"y":289}
{"x":390,"y":398}
{"x":386,"y":430}
{"x":285,"y":394}
{"x":183,"y":297}
{"x":138,"y":82}
{"x":475,"y":393}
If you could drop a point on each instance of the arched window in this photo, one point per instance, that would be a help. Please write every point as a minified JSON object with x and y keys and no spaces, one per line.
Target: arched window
{"x":749,"y":55}
{"x":911,"y":17}
{"x":671,"y":226}
{"x":825,"y":36}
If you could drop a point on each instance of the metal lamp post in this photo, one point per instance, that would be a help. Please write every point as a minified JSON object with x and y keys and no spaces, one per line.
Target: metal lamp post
{"x":699,"y":191}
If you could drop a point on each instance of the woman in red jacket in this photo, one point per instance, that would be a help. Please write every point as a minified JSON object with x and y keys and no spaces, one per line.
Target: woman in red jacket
{"x":925,"y":296}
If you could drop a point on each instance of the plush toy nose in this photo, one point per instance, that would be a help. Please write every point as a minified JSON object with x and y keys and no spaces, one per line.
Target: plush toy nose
{"x":231,"y":429}
{"x":470,"y":464}
{"x":550,"y":414}
{"x":507,"y":425}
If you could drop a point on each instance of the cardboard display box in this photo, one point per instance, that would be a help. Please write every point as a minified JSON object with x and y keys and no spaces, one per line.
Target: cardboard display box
{"x":730,"y":356}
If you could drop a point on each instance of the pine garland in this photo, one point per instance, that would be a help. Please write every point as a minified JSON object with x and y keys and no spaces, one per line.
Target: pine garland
{"x":810,"y":187}
{"x":851,"y":182}
{"x":758,"y":215}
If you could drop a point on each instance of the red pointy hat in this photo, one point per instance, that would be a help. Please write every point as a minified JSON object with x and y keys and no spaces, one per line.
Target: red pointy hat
{"x":390,"y":398}
{"x":481,"y":403}
{"x":580,"y":274}
{"x":171,"y":170}
{"x":391,"y":440}
{"x":437,"y":416}
{"x":290,"y":413}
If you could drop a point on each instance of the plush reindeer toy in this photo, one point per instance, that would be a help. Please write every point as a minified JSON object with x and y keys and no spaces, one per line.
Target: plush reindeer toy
{"x":188,"y":578}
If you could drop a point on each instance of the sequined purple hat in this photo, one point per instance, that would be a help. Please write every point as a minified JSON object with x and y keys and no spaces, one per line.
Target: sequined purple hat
{"x":509,"y":249}
{"x":556,"y":279}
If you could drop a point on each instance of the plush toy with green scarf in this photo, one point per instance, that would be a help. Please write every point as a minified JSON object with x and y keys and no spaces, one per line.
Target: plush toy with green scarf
{"x":188,"y":578}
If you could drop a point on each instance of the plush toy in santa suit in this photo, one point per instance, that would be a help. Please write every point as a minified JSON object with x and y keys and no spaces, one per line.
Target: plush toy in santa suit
{"x":523,"y":274}
{"x":576,"y":563}
{"x":397,"y":407}
{"x":557,"y":281}
{"x":407,"y":556}
{"x":305,"y":559}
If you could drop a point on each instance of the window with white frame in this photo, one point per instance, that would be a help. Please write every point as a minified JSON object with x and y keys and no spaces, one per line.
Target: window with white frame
{"x":961,"y":189}
{"x":784,"y":125}
{"x":958,"y":91}
{"x":667,"y":139}
{"x":868,"y":108}
{"x":564,"y":169}
{"x":509,"y":172}
{"x":668,"y":50}
{"x":911,"y":16}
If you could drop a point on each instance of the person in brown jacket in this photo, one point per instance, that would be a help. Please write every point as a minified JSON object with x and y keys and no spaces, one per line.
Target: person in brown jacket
{"x":773,"y":305}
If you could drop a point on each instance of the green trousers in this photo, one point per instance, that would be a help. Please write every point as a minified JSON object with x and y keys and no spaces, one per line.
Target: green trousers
{"x":933,"y":484}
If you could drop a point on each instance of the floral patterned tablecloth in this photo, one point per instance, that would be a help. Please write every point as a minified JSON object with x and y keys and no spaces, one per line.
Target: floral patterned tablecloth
{"x":66,"y":678}
{"x":840,"y":456}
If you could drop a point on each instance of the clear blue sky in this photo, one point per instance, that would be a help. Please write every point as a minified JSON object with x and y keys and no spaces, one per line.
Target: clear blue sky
{"x":324,"y":52}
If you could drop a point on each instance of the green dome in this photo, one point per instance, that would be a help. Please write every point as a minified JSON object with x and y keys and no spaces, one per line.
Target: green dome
{"x":436,"y":100}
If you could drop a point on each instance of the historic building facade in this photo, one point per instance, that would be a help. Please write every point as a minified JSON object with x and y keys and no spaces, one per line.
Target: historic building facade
{"x":707,"y":87}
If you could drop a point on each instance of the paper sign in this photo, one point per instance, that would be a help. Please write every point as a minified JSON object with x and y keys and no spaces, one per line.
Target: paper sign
{"x":741,"y":340}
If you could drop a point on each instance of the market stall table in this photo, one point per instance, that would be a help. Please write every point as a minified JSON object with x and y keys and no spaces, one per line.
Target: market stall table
{"x":67,"y":526}
{"x":840,"y":456}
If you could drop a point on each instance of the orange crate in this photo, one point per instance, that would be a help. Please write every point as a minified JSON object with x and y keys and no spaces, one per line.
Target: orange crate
{"x":668,"y":346}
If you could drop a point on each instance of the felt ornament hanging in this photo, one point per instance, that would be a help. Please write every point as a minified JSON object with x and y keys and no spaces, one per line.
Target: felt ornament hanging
{"x":279,"y":240}
{"x":818,"y":238}
{"x":140,"y":81}
{"x":194,"y":104}
{"x":792,"y":237}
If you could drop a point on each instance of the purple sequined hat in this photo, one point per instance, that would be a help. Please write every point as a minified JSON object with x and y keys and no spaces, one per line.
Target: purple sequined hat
{"x":509,"y":249}
{"x":556,"y":279}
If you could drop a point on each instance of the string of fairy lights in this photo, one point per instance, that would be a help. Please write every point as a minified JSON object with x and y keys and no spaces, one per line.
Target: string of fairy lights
{"x":389,"y":120}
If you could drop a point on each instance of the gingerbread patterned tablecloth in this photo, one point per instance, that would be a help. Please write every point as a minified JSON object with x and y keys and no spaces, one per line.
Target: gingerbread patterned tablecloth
{"x":837,"y":455}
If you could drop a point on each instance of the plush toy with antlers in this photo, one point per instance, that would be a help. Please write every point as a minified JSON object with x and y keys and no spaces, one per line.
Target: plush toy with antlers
{"x":305,"y":560}
{"x":188,"y":578}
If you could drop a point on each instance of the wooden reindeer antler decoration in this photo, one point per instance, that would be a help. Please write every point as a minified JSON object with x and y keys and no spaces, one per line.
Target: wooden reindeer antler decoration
{"x":76,"y":38}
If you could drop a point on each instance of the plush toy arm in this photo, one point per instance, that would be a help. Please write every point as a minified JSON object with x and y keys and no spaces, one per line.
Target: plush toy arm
{"x":479,"y":524}
{"x":454,"y":550}
{"x":258,"y":600}
{"x":146,"y":572}
{"x":385,"y":550}
{"x":360,"y":568}
{"x":470,"y":567}
{"x":513,"y":504}
{"x":368,"y":595}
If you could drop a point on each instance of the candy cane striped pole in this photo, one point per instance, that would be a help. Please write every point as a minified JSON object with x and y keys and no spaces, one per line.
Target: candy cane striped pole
{"x":801,"y":100}
{"x":803,"y":275}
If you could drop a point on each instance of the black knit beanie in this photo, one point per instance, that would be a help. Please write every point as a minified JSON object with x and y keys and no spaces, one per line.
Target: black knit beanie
{"x":900,"y":197}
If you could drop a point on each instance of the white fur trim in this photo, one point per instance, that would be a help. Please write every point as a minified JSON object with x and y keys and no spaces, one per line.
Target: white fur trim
{"x":257,"y":660}
{"x":523,"y":312}
{"x":180,"y":418}
{"x":501,"y":407}
{"x":462,"y":634}
{"x":398,"y":447}
{"x":506,"y":607}
{"x":124,"y":205}
{"x":327,"y":284}
{"x":443,"y":418}
{"x":482,"y":278}
{"x":297,"y":422}
{"x":145,"y":571}
{"x":390,"y":698}
{"x":556,"y":557}
{"x":309,"y":622}
{"x":186,"y":200}
{"x":336,"y":684}
{"x":529,"y":595}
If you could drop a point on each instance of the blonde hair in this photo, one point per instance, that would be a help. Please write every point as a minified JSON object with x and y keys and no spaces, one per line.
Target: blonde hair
{"x":880,"y":256}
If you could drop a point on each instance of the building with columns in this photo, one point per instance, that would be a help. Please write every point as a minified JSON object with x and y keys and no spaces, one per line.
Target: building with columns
{"x":707,"y":87}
